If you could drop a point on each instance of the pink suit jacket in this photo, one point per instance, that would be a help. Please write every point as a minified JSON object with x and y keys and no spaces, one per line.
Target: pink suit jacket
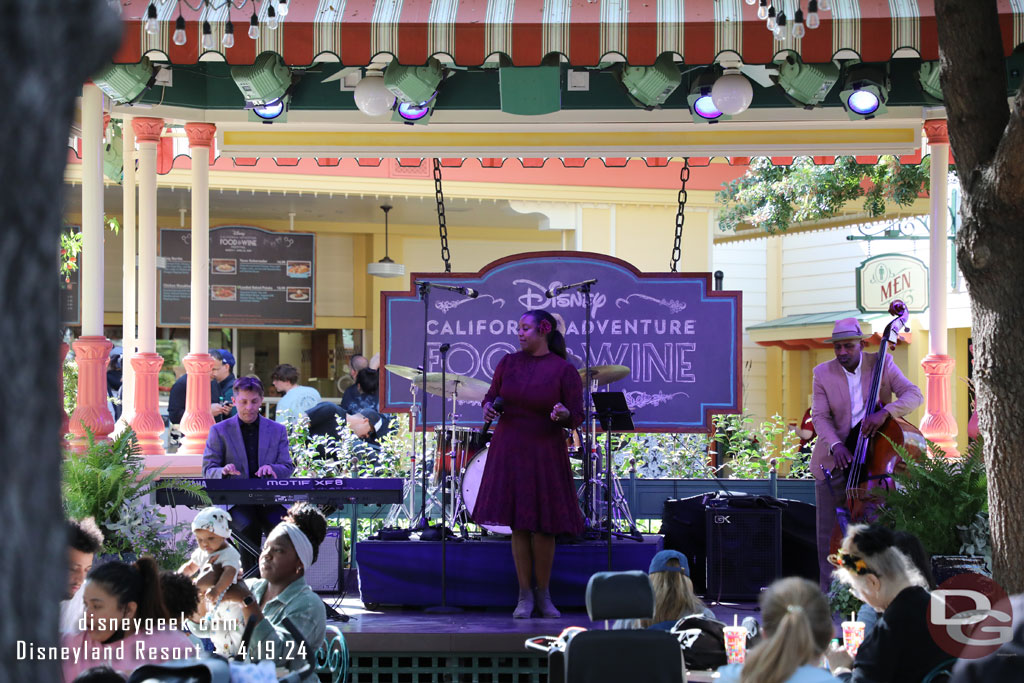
{"x":831,"y":409}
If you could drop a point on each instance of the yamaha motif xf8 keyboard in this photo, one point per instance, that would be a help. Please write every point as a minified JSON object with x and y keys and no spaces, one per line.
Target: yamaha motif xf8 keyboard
{"x":336,"y":492}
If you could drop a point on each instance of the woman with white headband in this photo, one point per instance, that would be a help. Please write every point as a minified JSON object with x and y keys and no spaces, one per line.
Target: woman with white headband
{"x":282,"y":593}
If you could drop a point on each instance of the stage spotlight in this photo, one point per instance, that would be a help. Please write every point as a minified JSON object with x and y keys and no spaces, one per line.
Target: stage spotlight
{"x":270,"y":110}
{"x":651,"y":86}
{"x":702,"y":106}
{"x":929,"y":78}
{"x":415,"y":84}
{"x":126,"y":83}
{"x":865,"y":92}
{"x":267,"y":80}
{"x":372,"y":97}
{"x":414,"y":113}
{"x":806,"y":85}
{"x":113,"y":156}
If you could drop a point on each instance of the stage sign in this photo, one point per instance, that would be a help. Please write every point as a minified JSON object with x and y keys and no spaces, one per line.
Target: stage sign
{"x":680,"y":339}
{"x":257,"y":278}
{"x":884,"y":278}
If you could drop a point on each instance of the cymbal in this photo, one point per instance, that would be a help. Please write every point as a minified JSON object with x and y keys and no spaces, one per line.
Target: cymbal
{"x":404,"y":371}
{"x":466,"y":388}
{"x":605,"y":374}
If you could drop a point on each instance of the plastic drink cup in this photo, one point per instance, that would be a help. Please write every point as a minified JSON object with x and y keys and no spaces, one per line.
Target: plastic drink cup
{"x":735,"y":644}
{"x":853,"y":636}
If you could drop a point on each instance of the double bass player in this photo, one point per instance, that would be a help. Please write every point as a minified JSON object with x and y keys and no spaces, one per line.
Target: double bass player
{"x":841,"y":387}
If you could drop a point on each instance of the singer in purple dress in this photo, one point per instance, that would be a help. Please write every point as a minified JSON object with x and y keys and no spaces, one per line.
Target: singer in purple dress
{"x":527,"y":483}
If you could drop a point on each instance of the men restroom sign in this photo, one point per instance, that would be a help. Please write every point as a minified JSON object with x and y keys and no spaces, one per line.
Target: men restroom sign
{"x":883,"y":279}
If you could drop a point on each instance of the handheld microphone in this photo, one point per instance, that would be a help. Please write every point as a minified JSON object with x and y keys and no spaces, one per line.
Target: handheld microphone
{"x":555,"y":291}
{"x":499,"y":406}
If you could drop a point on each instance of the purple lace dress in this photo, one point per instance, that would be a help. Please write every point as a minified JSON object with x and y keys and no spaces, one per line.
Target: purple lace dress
{"x":527,"y":483}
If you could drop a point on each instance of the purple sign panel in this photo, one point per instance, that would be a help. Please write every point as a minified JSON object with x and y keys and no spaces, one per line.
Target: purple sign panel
{"x":679,"y":339}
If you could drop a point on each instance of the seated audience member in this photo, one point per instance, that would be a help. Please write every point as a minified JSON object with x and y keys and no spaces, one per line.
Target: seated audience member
{"x":215,"y":565}
{"x":84,"y":540}
{"x":355,"y":364}
{"x":673,"y":593}
{"x":282,"y":593}
{"x":100,"y":674}
{"x":1006,"y":663}
{"x":181,"y":596}
{"x":915,"y":552}
{"x":879,"y":573}
{"x":797,"y":630}
{"x":295,"y":399}
{"x":119,"y":599}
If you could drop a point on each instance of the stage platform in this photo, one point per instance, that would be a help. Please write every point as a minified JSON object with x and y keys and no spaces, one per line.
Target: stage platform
{"x":475,"y":645}
{"x":480,"y":573}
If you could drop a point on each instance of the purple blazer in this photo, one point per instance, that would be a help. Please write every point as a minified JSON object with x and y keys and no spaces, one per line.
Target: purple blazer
{"x":225,"y":445}
{"x":831,"y":409}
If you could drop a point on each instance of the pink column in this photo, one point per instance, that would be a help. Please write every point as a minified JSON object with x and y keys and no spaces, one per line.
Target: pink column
{"x":197,"y":421}
{"x":91,"y":411}
{"x":938,"y":425}
{"x":146,"y":421}
{"x":64,"y":420}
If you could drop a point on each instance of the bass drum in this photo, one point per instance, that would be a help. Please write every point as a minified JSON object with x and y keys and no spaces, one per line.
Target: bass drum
{"x":471,"y":487}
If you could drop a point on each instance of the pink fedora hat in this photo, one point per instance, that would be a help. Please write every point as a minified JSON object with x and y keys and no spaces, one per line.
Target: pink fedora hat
{"x":845,"y":329}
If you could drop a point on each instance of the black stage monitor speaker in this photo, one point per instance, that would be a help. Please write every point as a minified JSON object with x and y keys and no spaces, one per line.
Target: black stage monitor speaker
{"x":327,"y":573}
{"x":744,"y":551}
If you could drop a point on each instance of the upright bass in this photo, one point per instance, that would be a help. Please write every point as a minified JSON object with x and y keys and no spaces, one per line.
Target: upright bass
{"x":875,"y":458}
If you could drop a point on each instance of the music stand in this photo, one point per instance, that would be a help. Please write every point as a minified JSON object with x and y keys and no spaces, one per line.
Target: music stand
{"x":615,"y":416}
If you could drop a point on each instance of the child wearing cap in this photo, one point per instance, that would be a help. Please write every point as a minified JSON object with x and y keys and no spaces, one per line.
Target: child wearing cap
{"x":673,"y":593}
{"x":216,"y":564}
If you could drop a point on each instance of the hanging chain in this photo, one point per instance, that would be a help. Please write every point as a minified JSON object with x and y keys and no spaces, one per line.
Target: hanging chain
{"x":442,"y":228}
{"x":677,"y":246}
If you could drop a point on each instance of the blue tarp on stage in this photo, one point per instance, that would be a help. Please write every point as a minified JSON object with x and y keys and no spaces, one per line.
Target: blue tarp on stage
{"x":480,"y":573}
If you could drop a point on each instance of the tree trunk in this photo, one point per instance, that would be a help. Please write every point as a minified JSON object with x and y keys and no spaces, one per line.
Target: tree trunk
{"x":48,"y":48}
{"x":987,"y":138}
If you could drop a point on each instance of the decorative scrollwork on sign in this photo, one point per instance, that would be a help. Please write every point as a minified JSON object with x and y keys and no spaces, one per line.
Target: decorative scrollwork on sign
{"x":451,"y":304}
{"x":672,"y":304}
{"x":909,"y":226}
{"x":641,"y":399}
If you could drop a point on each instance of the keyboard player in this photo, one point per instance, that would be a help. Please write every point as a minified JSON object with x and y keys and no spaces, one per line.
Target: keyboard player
{"x":249,"y":446}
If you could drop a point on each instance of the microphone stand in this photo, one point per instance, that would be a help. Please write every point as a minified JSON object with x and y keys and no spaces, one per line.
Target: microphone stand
{"x":446,"y":475}
{"x":588,"y":473}
{"x":424,"y":523}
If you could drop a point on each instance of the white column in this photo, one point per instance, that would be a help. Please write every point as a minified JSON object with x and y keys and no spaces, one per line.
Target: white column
{"x":147,"y":422}
{"x":128,"y":273}
{"x":148,"y":132}
{"x":92,"y":211}
{"x":938,"y":243}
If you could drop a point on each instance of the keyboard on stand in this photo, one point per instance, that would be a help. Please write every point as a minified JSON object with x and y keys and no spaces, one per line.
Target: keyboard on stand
{"x":337,"y":491}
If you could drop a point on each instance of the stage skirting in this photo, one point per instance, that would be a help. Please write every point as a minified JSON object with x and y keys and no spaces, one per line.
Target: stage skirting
{"x":480,"y":573}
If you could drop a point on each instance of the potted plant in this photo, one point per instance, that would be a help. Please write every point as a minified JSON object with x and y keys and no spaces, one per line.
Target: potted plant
{"x":107,"y":482}
{"x":939,"y":500}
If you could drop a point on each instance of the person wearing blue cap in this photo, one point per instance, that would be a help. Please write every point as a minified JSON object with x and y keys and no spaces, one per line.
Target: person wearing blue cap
{"x":673,"y":593}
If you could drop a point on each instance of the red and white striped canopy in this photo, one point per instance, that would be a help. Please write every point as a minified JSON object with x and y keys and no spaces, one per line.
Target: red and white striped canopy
{"x":585,"y":31}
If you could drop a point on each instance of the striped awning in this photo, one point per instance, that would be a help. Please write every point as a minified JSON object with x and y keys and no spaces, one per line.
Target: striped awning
{"x":585,"y":31}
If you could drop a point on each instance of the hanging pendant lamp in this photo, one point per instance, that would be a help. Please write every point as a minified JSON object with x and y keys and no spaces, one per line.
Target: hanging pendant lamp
{"x":385,"y":267}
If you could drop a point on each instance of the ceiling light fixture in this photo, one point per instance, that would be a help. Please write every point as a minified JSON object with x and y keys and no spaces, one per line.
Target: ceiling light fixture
{"x":371,"y":96}
{"x":865,"y":92}
{"x":732,"y":93}
{"x":385,"y":267}
{"x":702,"y":106}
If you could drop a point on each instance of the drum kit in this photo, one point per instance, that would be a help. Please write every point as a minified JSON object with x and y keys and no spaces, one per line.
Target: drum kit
{"x":459,"y":457}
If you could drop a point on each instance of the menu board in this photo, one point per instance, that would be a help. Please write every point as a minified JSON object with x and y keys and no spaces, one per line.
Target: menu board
{"x":258,"y":278}
{"x":70,"y":293}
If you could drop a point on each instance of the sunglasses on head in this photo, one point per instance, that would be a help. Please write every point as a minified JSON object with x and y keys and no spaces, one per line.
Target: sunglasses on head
{"x":850,"y":563}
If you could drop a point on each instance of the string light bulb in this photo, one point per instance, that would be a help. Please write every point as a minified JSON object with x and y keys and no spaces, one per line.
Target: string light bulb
{"x":254,"y":26}
{"x":798,"y":24}
{"x":179,"y":31}
{"x":781,"y":30}
{"x":209,"y":42}
{"x":771,"y":19}
{"x":751,"y":2}
{"x":271,"y":18}
{"x":813,"y":21}
{"x":228,"y":41}
{"x":763,"y":10}
{"x":282,"y":7}
{"x":824,"y":5}
{"x":152,"y":25}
